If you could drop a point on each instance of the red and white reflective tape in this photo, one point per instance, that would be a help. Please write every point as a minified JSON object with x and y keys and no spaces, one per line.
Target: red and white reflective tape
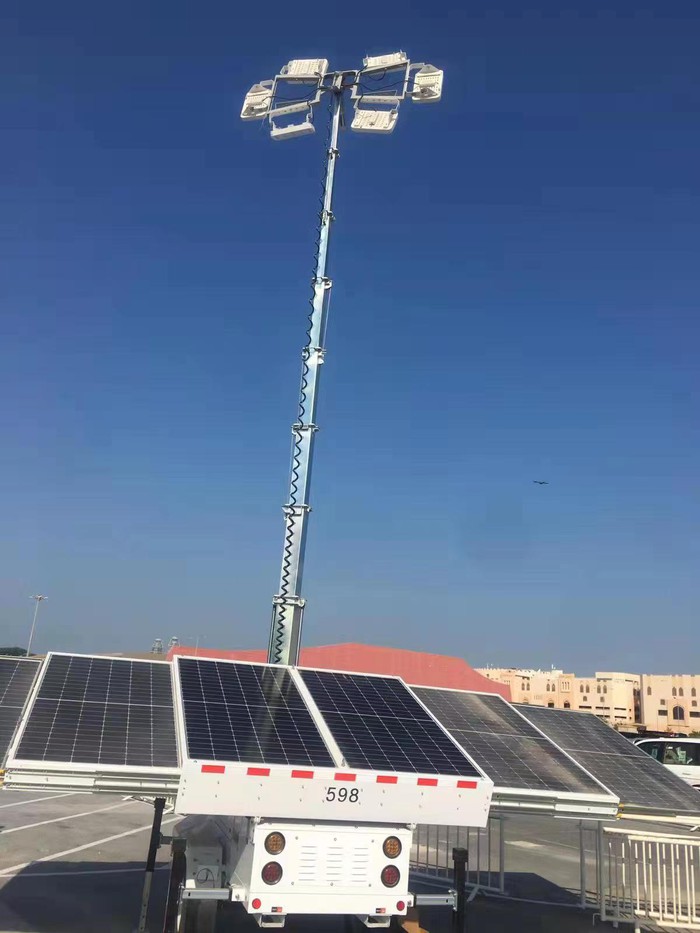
{"x":298,"y":773}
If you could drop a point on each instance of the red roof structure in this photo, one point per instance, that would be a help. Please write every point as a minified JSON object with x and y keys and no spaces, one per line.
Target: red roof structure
{"x":414,"y":667}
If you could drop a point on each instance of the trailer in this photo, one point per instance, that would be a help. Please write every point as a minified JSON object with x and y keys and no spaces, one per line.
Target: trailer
{"x":293,"y":800}
{"x":275,"y":868}
{"x":332,"y":836}
{"x":330,"y":839}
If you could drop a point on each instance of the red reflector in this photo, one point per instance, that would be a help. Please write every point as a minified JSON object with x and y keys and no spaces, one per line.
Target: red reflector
{"x":427,"y":782}
{"x":256,"y":903}
{"x":213,"y":769}
{"x":275,"y":910}
{"x":469,"y":785}
{"x":387,"y":779}
{"x":271,"y":873}
{"x":258,"y":772}
{"x":380,"y":910}
{"x":302,"y":774}
{"x":400,"y":905}
{"x":390,"y":876}
{"x":340,"y":776}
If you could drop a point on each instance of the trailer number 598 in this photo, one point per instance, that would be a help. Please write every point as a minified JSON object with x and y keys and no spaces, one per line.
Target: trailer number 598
{"x":343,"y":794}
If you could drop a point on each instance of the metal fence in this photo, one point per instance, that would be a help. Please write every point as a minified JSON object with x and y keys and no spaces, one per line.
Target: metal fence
{"x":431,"y":853}
{"x":649,"y":879}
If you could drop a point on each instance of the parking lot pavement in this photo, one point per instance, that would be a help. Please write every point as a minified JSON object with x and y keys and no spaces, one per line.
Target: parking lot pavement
{"x":73,"y":863}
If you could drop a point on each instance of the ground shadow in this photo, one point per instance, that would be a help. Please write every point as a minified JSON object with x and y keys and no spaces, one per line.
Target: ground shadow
{"x":79,"y":897}
{"x":534,"y":887}
{"x":84,"y":897}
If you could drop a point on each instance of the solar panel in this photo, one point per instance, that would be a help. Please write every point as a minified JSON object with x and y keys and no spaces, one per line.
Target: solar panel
{"x":636,"y":778}
{"x":508,"y":748}
{"x":17,"y":677}
{"x":106,"y":711}
{"x":583,"y":732}
{"x":249,"y":713}
{"x":379,"y":725}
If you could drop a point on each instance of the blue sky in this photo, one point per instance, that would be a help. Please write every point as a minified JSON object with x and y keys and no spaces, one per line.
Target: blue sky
{"x":516,"y":292}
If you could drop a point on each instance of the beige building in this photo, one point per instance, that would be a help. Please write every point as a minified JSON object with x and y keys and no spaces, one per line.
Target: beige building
{"x":612,"y":695}
{"x":657,"y":702}
{"x":670,"y":702}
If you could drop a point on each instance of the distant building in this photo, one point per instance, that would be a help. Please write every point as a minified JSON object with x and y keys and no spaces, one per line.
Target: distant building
{"x":670,"y":702}
{"x":415,"y":667}
{"x":610,"y":695}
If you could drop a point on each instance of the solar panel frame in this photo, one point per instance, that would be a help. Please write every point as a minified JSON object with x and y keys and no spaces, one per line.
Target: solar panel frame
{"x":641,"y":783}
{"x":501,"y":730}
{"x":104,"y":698}
{"x":294,"y":746}
{"x":389,"y":753}
{"x":17,"y":678}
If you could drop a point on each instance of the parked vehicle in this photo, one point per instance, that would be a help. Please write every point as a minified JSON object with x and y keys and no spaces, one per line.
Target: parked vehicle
{"x":682,"y":756}
{"x":652,"y":734}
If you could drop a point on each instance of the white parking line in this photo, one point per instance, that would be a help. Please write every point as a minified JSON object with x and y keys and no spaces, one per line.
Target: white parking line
{"x":61,"y":819}
{"x":550,"y":843}
{"x":13,"y":869}
{"x":88,"y":871}
{"x":21,"y":803}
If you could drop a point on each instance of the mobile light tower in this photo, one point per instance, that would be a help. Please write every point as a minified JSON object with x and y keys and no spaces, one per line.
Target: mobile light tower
{"x":376,"y":90}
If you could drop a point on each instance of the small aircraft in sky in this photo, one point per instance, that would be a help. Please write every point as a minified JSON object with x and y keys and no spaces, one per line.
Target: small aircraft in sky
{"x":541,"y":482}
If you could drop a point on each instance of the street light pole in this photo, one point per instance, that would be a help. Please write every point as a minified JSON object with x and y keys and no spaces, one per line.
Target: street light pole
{"x":376,"y":111}
{"x":37,"y":599}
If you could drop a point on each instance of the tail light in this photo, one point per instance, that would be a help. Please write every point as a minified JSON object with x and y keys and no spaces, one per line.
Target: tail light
{"x":272,"y":872}
{"x":392,"y":847}
{"x":390,"y":876}
{"x":274,"y":843}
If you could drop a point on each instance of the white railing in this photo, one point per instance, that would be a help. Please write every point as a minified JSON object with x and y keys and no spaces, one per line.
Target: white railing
{"x":649,"y":878}
{"x":431,"y":853}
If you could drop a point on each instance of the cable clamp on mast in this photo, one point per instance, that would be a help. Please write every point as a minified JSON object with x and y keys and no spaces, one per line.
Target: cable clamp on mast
{"x":298,"y":427}
{"x":292,"y":508}
{"x":288,"y":601}
{"x":309,"y":352}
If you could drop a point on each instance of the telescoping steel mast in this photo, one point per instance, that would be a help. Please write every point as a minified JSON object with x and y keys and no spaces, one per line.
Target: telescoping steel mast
{"x":376,"y":90}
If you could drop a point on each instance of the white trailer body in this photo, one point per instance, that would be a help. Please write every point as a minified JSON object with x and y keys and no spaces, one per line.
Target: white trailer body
{"x":321,"y":868}
{"x":335,"y":819}
{"x":336,"y":826}
{"x":332,"y":795}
